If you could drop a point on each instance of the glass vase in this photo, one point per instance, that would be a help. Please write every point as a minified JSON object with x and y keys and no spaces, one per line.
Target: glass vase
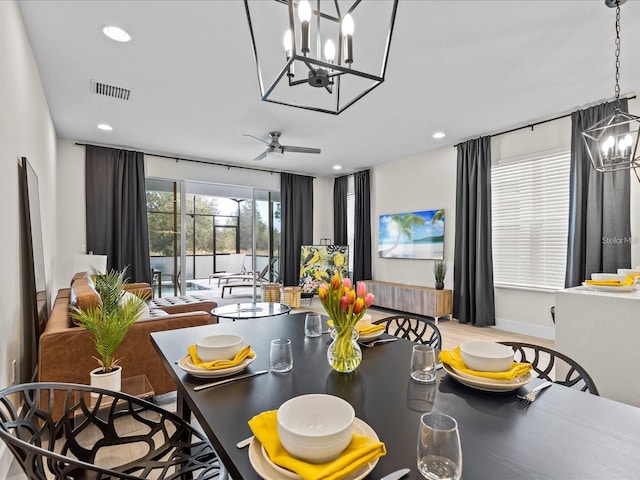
{"x":344,"y":354}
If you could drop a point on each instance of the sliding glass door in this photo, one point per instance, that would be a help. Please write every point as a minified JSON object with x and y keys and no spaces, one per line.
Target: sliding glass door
{"x":216,"y":222}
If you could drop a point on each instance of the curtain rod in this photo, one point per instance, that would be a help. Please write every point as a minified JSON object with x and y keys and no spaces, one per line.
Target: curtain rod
{"x":531,"y":125}
{"x":179,"y":159}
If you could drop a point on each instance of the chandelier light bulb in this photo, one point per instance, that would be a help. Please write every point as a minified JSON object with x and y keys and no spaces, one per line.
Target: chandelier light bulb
{"x":347,"y":31}
{"x":607,"y":146}
{"x":304,"y":11}
{"x":287,"y":41}
{"x":329,"y":51}
{"x":347,"y":25}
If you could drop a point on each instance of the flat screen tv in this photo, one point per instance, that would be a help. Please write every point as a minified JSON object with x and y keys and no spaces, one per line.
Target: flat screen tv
{"x":418,"y":235}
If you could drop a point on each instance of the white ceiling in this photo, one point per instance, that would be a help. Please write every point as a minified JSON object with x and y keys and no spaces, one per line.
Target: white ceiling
{"x":469,"y":68}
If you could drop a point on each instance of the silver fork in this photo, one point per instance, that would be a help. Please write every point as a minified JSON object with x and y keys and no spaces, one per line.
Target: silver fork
{"x":376,"y":342}
{"x":531,"y":396}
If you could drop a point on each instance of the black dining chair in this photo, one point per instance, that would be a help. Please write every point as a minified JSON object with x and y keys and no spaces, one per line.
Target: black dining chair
{"x":412,"y":327}
{"x":551,"y":365}
{"x":101,"y":434}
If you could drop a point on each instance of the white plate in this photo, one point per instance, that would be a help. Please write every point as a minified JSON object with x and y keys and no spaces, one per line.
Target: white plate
{"x":268,"y":470}
{"x":187,"y":365}
{"x":488,"y":384}
{"x":371,"y":336}
{"x":610,"y":288}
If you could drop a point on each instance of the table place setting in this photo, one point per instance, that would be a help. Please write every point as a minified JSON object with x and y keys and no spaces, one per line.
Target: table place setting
{"x":313,"y":437}
{"x":486,"y":366}
{"x":613,"y":282}
{"x":217,"y":356}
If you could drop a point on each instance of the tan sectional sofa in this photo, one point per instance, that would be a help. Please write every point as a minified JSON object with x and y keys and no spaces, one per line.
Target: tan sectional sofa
{"x":66,"y":351}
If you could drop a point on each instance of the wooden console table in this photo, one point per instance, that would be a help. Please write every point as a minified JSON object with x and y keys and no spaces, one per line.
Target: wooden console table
{"x":412,"y":298}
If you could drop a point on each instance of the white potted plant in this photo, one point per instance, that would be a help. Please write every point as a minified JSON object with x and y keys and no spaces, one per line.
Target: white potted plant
{"x":109,"y":321}
{"x":439,"y":272}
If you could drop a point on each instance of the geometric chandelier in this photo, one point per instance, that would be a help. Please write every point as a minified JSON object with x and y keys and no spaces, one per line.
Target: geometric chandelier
{"x":613,"y":142}
{"x":320,"y":55}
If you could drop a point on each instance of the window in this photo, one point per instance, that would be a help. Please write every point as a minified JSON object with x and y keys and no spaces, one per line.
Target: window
{"x":530,"y":212}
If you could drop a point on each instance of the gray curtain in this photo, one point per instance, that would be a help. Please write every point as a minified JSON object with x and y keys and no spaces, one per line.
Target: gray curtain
{"x":362,"y":227}
{"x":599,"y":207}
{"x":116,"y":210}
{"x":473,"y":296}
{"x":340,"y":190}
{"x":296,"y":197}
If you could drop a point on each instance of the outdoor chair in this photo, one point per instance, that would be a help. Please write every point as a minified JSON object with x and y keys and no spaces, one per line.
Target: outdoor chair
{"x":235,"y":266}
{"x":112,"y":435}
{"x":412,"y":327}
{"x":551,"y":365}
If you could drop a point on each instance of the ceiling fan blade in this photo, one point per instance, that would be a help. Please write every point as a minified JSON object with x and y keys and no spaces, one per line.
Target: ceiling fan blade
{"x":261,"y":156}
{"x":256,"y":138}
{"x":288,"y":148}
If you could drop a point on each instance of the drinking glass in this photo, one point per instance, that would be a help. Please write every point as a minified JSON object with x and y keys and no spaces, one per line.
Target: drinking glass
{"x":313,"y":325}
{"x":439,"y":452}
{"x":280,"y":356}
{"x":423,"y":364}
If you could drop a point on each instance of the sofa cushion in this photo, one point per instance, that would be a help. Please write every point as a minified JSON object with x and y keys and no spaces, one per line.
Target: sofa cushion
{"x":126,"y":296}
{"x":83,"y":293}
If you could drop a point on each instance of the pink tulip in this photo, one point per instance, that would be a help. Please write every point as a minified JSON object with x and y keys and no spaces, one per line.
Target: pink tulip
{"x":347,"y":283}
{"x":369,"y":299}
{"x":362,"y":289}
{"x":344,"y":303}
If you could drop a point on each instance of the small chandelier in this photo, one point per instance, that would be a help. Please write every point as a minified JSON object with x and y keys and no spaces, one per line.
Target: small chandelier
{"x":321,"y":56}
{"x":613,"y":142}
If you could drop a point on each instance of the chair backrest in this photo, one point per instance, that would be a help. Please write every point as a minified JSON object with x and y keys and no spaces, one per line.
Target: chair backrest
{"x":553,"y":366}
{"x":412,"y":327}
{"x":235,"y":263}
{"x":79,"y":444}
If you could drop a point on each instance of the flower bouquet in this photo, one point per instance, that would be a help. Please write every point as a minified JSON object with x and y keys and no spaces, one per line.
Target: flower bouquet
{"x":345,"y":306}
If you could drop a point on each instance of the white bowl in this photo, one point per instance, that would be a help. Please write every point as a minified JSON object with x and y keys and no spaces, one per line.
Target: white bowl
{"x":315,"y":428}
{"x":608,"y":276}
{"x":365,"y":320}
{"x":628,"y":271}
{"x":218,"y":347}
{"x":486,"y":356}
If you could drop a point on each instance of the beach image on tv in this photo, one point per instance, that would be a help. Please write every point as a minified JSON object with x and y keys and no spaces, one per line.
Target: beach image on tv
{"x":412,"y":235}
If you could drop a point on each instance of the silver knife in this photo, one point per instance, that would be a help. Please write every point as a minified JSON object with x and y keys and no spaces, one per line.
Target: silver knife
{"x":397,"y":474}
{"x":228,"y":380}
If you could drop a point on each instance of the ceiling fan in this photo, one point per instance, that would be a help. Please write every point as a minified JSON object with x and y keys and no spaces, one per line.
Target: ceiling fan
{"x":275,"y":149}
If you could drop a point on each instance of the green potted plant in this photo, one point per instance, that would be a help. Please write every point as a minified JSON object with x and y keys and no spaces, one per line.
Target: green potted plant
{"x":439,"y":272}
{"x":109,"y":321}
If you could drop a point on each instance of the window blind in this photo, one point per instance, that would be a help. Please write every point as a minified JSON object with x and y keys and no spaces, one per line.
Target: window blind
{"x":530,"y":212}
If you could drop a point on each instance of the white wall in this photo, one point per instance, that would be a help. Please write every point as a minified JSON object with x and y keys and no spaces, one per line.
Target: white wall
{"x":26,"y":130}
{"x":423,"y":182}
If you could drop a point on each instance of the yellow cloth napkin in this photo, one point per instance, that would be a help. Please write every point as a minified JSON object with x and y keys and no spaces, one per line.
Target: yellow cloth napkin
{"x":613,"y":282}
{"x":220,"y":364}
{"x":364,"y":329}
{"x":454,"y":359}
{"x":360,"y":451}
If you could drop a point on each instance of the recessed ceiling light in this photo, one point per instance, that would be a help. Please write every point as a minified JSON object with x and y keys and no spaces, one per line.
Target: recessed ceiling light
{"x":439,"y":135}
{"x":337,"y":167}
{"x":104,"y":126}
{"x":116,"y":33}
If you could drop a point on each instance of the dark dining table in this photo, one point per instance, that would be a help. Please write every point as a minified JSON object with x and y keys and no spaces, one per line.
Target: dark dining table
{"x":564,"y":434}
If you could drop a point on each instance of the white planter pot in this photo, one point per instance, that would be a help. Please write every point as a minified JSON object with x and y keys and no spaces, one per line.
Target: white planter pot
{"x":111,"y":380}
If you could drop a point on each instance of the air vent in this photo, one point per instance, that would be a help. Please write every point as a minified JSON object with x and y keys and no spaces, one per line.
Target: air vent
{"x":110,"y":90}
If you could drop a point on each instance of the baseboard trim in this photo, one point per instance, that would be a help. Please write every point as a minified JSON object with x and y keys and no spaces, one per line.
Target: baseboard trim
{"x":548,"y":333}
